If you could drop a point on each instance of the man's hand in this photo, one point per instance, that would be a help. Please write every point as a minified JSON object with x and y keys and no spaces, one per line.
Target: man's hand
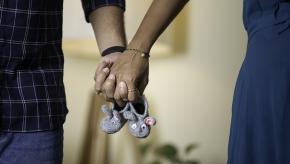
{"x":103,"y":71}
{"x":128,"y":78}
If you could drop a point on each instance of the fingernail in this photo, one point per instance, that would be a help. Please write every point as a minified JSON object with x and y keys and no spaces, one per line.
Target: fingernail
{"x":106,"y":70}
{"x":122,"y":84}
{"x":112,"y":77}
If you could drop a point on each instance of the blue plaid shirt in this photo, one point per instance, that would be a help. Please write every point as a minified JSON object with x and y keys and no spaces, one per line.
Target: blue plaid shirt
{"x":32,"y":93}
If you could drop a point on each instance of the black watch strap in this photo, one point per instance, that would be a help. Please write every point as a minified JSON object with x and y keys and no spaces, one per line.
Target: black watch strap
{"x":113,"y":50}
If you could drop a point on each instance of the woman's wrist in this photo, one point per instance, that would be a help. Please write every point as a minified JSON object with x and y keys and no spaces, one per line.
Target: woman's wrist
{"x":140,"y":45}
{"x":138,"y":52}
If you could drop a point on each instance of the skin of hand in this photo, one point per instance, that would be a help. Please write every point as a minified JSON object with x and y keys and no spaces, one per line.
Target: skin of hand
{"x":128,"y":78}
{"x":103,"y":71}
{"x":105,"y":83}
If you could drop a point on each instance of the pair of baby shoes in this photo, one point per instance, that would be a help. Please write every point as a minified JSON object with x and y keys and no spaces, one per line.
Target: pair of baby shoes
{"x":137,"y":115}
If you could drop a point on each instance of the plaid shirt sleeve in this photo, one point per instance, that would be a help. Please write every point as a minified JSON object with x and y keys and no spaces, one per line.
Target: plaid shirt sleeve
{"x":91,"y":5}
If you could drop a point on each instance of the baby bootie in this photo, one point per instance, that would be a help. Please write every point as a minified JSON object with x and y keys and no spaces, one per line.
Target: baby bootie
{"x":114,"y":119}
{"x":139,"y":122}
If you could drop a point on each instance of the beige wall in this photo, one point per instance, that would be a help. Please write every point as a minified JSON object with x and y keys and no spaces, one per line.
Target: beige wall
{"x":76,"y":28}
{"x":191,"y":93}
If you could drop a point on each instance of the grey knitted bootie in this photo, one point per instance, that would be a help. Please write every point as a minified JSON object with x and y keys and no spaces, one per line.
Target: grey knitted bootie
{"x":139,"y":122}
{"x":114,"y":119}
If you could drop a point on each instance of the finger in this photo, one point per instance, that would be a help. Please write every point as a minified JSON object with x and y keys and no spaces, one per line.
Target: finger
{"x":100,"y":79}
{"x":118,"y":99}
{"x":100,"y":67}
{"x":133,"y":92}
{"x":123,"y":91}
{"x":109,"y":87}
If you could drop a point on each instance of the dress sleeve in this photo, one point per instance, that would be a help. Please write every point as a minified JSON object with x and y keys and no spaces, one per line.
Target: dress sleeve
{"x":91,"y":5}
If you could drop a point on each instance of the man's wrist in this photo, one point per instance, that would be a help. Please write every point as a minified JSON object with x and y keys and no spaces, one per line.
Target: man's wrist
{"x":113,"y":49}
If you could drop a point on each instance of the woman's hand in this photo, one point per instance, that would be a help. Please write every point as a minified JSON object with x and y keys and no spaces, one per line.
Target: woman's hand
{"x":128,"y":78}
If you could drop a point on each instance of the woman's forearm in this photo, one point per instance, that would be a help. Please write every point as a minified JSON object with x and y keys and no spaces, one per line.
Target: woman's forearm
{"x":159,"y":16}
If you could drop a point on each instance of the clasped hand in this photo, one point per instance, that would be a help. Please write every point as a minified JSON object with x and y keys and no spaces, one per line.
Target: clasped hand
{"x":122,"y":77}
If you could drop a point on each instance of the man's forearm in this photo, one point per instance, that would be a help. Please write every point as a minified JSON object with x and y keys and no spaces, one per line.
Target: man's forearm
{"x":108,"y":25}
{"x":158,"y":17}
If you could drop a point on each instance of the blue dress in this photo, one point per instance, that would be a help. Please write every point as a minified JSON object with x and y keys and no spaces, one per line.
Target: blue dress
{"x":260,"y":128}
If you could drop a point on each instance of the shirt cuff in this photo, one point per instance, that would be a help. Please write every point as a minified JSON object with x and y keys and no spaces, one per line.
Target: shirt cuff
{"x":90,"y":5}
